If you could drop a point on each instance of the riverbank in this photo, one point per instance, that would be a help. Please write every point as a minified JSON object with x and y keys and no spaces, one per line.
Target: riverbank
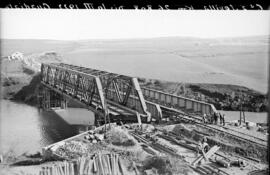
{"x":20,"y":78}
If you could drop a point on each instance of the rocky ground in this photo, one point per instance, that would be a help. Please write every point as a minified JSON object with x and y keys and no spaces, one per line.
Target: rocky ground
{"x":147,"y":149}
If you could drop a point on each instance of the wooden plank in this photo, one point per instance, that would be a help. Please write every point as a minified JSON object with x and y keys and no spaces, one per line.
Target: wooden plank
{"x":207,"y":155}
{"x":212,"y":151}
{"x":177,"y":142}
{"x":72,"y":168}
{"x":203,"y":169}
{"x":223,"y":156}
{"x":212,"y":170}
{"x":116,"y":165}
{"x":101,"y":168}
{"x":219,"y":170}
{"x":90,"y":165}
{"x":122,"y":168}
{"x":108,"y":164}
{"x":86,"y":166}
{"x":105,"y":164}
{"x":204,"y":155}
{"x":254,"y":159}
{"x":82,"y":162}
{"x":201,"y":172}
{"x":112,"y":157}
{"x":135,"y":168}
{"x":95,"y":169}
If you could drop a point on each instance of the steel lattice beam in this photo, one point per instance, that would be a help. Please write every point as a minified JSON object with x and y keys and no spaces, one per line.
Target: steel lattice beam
{"x":96,"y":88}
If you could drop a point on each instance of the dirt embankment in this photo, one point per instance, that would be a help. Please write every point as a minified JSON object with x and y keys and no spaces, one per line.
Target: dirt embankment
{"x":20,"y":79}
{"x":28,"y":94}
{"x":223,"y":96}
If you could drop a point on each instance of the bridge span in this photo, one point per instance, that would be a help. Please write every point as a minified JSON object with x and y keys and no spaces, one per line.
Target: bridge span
{"x":109,"y":94}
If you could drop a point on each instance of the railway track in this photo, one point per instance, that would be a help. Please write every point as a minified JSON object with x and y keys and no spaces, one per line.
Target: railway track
{"x":204,"y":169}
{"x":155,"y":145}
{"x":239,"y":135}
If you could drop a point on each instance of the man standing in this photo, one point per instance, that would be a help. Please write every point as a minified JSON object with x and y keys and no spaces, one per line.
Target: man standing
{"x":215,"y":117}
{"x":204,"y":118}
{"x":223,"y":118}
{"x":220,"y":118}
{"x":203,"y":146}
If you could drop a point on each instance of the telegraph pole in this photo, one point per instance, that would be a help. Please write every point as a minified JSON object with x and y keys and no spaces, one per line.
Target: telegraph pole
{"x":241,"y":98}
{"x":240,"y":112}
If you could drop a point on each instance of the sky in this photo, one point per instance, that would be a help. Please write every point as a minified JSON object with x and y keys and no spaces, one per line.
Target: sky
{"x":120,"y":24}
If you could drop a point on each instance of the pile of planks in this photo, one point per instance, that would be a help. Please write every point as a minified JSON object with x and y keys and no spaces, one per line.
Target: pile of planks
{"x":63,"y":168}
{"x":98,"y":164}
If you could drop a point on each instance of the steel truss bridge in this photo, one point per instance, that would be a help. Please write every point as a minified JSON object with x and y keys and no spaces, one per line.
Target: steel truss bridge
{"x":108,"y":94}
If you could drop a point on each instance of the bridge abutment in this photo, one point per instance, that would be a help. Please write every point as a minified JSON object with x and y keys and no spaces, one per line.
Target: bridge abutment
{"x":49,"y":99}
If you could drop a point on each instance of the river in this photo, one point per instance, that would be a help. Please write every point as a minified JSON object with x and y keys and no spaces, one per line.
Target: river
{"x":26,"y":129}
{"x":256,"y":117}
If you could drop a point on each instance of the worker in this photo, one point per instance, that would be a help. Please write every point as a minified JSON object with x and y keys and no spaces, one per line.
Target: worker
{"x":215,"y":117}
{"x":223,"y":118}
{"x":212,"y":118}
{"x":204,"y":118}
{"x":203,"y":146}
{"x":208,"y":119}
{"x":220,"y":118}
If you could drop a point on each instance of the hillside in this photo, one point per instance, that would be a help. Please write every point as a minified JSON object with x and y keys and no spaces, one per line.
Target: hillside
{"x":237,"y":61}
{"x":223,"y":96}
{"x":18,"y":74}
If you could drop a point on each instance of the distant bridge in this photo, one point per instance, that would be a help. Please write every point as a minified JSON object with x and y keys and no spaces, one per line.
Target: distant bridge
{"x":109,"y":94}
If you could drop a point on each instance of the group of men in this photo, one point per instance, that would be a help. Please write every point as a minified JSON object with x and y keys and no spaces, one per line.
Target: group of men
{"x":214,"y":119}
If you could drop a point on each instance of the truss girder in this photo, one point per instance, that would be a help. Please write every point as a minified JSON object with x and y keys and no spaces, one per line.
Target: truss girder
{"x":95,"y":87}
{"x":80,"y":85}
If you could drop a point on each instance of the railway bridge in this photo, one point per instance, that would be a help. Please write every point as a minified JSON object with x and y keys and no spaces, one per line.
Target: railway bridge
{"x":110,"y":95}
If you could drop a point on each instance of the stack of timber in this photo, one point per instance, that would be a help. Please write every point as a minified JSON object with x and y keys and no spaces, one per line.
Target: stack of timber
{"x":98,"y":164}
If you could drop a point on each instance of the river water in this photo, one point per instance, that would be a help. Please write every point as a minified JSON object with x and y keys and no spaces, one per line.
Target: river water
{"x":26,"y":129}
{"x":256,"y":117}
